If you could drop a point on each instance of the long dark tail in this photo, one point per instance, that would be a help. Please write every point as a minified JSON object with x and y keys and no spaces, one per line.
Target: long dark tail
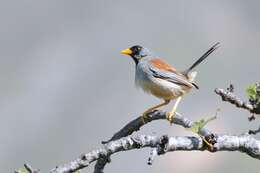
{"x":204,"y":56}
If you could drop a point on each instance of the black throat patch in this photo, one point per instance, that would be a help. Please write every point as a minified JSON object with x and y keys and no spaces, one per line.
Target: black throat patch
{"x":136,"y":60}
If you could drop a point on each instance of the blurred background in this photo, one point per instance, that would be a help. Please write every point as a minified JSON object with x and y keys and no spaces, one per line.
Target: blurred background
{"x":65,"y":86}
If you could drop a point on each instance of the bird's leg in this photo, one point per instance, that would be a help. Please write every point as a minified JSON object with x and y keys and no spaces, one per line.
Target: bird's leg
{"x":153,"y":108}
{"x":170,"y":115}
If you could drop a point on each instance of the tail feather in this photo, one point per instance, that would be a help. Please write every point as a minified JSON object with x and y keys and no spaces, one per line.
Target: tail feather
{"x":195,"y":85}
{"x":204,"y":56}
{"x":191,"y":76}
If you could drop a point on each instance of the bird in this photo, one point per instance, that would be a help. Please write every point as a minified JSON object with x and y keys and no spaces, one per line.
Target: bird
{"x":160,"y":79}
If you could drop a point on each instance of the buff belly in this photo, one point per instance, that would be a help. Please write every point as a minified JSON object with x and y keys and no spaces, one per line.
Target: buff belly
{"x":162,"y":88}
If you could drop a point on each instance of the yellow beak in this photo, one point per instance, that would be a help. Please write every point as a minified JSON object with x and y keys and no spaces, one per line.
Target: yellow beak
{"x":126,"y":52}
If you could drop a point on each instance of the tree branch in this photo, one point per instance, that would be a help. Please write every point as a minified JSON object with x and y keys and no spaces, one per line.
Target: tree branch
{"x":244,"y":143}
{"x":121,"y":141}
{"x":137,"y":123}
{"x":230,"y":97}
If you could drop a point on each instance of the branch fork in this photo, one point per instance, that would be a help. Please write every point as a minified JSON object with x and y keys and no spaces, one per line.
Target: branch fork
{"x":123,"y":141}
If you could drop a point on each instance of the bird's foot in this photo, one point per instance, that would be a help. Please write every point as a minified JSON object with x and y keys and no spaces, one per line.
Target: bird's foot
{"x":170,"y":116}
{"x":145,"y":117}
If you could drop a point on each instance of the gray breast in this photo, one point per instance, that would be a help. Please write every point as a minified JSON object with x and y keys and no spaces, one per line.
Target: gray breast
{"x":143,"y":74}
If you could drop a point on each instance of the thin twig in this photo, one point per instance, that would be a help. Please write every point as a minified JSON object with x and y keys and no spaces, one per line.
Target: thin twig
{"x":152,"y":155}
{"x":254,"y":132}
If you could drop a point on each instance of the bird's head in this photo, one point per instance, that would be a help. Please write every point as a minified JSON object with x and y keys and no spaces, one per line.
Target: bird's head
{"x":136,"y":52}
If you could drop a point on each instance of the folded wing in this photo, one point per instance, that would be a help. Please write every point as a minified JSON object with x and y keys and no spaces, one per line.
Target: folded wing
{"x":162,"y":70}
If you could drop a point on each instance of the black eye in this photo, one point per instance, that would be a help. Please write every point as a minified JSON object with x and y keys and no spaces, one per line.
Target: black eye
{"x":136,"y":49}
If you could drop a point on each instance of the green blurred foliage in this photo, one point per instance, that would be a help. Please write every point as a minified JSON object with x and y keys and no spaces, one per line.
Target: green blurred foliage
{"x":252,"y":92}
{"x":198,"y":125}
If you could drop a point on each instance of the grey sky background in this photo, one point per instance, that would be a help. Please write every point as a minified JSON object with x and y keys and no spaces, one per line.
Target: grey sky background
{"x":65,"y":87}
